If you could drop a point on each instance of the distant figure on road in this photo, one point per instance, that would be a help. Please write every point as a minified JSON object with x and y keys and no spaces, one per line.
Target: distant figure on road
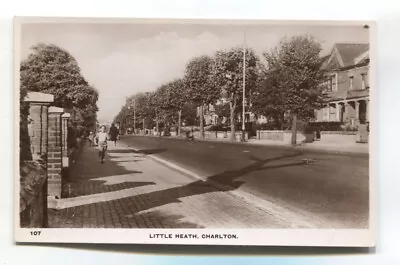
{"x":102,"y":138}
{"x":114,"y":134}
{"x":189,"y":135}
{"x":91,"y":139}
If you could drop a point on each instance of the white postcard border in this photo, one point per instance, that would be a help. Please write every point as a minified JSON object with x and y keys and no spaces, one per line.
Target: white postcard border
{"x":266,"y":237}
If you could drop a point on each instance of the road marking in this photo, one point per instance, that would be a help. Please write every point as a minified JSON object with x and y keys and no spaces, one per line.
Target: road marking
{"x":246,"y":151}
{"x":294,"y":218}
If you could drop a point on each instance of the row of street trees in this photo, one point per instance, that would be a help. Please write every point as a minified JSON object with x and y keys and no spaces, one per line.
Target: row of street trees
{"x":51,"y":69}
{"x":287,"y":84}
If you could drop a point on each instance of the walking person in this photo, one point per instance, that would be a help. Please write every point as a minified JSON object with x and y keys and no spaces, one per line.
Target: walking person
{"x":91,"y":139}
{"x":102,"y":138}
{"x":114,"y":134}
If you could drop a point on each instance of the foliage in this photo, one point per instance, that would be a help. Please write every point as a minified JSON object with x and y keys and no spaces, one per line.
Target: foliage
{"x":292,"y":83}
{"x":199,"y":80}
{"x":294,"y":79}
{"x":268,"y":99}
{"x":327,"y":126}
{"x":24,"y":148}
{"x":229,"y":76}
{"x":51,"y":69}
{"x":202,"y":89}
{"x":218,"y":127}
{"x":222,"y":110}
{"x":174,"y":96}
{"x":189,"y":114}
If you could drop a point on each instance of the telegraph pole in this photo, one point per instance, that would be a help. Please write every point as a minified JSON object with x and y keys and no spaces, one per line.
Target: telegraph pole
{"x":134,"y":117}
{"x":244,"y":89}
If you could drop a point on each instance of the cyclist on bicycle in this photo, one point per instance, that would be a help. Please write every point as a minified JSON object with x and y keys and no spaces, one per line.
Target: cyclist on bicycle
{"x":102,"y":138}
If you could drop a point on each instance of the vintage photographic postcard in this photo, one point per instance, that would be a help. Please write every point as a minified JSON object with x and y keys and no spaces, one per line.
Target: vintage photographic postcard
{"x":203,"y":132}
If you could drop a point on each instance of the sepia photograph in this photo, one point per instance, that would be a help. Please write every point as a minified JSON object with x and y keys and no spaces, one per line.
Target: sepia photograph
{"x":174,"y":131}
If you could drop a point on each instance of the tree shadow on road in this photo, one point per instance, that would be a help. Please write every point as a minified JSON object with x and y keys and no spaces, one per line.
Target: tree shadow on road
{"x":228,"y":179}
{"x":142,"y":151}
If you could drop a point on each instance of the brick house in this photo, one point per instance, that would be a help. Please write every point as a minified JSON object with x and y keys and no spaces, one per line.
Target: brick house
{"x":348,"y":88}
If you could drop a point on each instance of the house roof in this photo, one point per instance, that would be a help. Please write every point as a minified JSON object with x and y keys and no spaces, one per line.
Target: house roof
{"x":347,"y":54}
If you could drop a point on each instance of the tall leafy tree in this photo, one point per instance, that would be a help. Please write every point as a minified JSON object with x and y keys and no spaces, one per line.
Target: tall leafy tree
{"x":200,"y":82}
{"x":189,"y":114}
{"x":51,"y":69}
{"x":222,"y":111}
{"x":229,"y":76}
{"x":268,"y":99}
{"x":156,"y":107}
{"x":295,"y":70}
{"x":175,"y":97}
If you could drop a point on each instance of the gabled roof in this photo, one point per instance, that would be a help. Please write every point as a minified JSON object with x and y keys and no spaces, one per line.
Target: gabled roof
{"x":347,"y":54}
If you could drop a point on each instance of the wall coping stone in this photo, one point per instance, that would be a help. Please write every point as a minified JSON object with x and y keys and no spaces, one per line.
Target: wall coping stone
{"x":53,"y":109}
{"x":66,"y":115}
{"x":39,"y":97}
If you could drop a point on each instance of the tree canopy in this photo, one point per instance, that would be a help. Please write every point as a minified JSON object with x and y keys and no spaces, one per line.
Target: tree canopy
{"x":296,"y":76}
{"x":51,"y":69}
{"x":201,"y":86}
{"x":229,"y":76}
{"x":287,"y":84}
{"x":292,"y":83}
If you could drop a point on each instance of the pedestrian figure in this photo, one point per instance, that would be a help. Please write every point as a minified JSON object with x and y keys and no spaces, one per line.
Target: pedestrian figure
{"x":91,"y":139}
{"x":102,"y":138}
{"x":114,"y":134}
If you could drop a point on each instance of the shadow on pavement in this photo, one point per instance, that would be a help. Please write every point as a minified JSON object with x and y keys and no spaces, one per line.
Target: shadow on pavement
{"x":143,"y":151}
{"x":147,"y":201}
{"x":88,"y":176}
{"x":161,"y":220}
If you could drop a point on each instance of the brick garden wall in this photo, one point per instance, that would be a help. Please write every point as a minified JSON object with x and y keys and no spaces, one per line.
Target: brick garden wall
{"x":41,"y":177}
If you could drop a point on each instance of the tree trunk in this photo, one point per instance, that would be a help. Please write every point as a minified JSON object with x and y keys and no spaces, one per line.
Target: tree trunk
{"x":179,"y":122}
{"x":294,"y":129}
{"x":202,"y":121}
{"x":232,"y":120}
{"x":157,"y":127}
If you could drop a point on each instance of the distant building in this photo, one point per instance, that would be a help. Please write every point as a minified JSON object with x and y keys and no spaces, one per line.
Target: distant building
{"x":348,"y":86}
{"x":211,"y":118}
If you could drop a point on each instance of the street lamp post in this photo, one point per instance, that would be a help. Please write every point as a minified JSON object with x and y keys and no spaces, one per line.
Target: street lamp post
{"x":244,"y":89}
{"x":134,"y":117}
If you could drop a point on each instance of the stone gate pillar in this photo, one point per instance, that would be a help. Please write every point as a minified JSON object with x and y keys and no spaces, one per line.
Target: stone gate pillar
{"x":54,"y":161}
{"x":64,"y":132}
{"x":38,"y":122}
{"x":37,"y":131}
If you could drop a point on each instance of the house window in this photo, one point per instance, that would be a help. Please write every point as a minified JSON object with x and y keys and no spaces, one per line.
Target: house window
{"x":332,"y":87}
{"x":351,"y":82}
{"x":363,"y":81}
{"x":335,"y":80}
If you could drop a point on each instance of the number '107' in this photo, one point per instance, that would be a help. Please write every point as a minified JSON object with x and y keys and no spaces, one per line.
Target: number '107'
{"x":35,"y":233}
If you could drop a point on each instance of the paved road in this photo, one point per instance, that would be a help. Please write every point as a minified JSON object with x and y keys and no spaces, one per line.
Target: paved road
{"x":131,"y":190}
{"x":319,"y":189}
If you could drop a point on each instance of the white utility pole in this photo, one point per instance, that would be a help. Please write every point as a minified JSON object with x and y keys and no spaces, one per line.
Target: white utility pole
{"x":244,"y":88}
{"x":134,"y":116}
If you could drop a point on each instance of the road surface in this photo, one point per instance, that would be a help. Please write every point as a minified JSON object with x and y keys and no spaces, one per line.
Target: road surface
{"x":315,"y":189}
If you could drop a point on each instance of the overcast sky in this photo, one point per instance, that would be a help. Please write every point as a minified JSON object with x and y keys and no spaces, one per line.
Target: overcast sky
{"x":121,"y":59}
